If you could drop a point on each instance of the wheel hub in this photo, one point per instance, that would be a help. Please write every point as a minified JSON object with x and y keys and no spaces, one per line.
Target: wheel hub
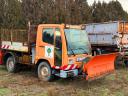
{"x":10,"y":64}
{"x":44,"y":71}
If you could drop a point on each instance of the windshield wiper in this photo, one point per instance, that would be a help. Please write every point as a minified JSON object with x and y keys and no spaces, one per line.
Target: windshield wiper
{"x":72,"y":51}
{"x":83,"y":49}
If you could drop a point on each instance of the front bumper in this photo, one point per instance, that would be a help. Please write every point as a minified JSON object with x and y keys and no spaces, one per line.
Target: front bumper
{"x":69,"y":73}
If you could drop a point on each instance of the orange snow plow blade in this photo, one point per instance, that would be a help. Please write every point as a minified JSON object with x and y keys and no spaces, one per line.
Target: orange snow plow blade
{"x":99,"y":66}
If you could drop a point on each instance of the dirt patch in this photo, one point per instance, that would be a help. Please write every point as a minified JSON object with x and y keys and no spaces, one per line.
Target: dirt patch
{"x":25,"y":83}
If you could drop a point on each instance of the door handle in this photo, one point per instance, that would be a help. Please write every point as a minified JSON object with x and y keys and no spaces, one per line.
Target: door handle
{"x":57,"y":48}
{"x":41,"y":46}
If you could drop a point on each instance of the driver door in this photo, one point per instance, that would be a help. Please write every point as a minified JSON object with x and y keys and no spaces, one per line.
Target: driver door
{"x":49,"y":45}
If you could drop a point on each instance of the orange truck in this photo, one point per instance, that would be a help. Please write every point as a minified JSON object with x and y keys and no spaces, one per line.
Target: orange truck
{"x":55,"y":50}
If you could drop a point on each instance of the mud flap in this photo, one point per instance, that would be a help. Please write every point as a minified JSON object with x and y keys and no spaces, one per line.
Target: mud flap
{"x":1,"y":57}
{"x":99,"y":66}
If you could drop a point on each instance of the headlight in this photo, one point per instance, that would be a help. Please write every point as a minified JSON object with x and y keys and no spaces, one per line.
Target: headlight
{"x":71,"y":61}
{"x":79,"y":59}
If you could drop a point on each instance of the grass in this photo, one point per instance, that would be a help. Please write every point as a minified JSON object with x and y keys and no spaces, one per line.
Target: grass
{"x":25,"y":83}
{"x":4,"y":91}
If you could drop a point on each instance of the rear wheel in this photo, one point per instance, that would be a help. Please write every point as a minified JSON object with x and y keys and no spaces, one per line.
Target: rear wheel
{"x":11,"y":64}
{"x":45,"y":72}
{"x":126,"y":63}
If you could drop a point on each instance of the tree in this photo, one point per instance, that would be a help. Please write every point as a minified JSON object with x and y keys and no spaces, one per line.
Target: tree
{"x":31,"y":10}
{"x":16,"y":13}
{"x":112,"y":11}
{"x":1,"y":11}
{"x":115,"y":11}
{"x":11,"y":14}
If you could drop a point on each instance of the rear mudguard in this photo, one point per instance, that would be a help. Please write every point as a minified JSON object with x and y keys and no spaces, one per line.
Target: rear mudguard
{"x":99,"y":65}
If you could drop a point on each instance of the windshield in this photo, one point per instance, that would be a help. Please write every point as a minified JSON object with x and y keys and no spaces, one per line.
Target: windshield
{"x":77,"y":41}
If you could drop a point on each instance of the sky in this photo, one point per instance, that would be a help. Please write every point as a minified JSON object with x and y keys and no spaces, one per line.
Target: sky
{"x":124,"y":3}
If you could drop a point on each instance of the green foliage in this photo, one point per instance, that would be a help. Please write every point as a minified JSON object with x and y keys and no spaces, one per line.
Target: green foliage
{"x":4,"y":91}
{"x":16,"y":13}
{"x":11,"y":13}
{"x":112,"y":11}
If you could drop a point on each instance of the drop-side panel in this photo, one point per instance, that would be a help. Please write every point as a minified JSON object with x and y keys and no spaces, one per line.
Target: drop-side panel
{"x":108,"y":33}
{"x":15,"y":46}
{"x":18,"y":39}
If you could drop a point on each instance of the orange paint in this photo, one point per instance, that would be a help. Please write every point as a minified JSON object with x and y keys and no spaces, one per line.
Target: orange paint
{"x":100,"y":65}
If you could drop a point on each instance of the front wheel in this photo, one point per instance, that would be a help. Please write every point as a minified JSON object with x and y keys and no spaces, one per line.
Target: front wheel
{"x":45,"y":72}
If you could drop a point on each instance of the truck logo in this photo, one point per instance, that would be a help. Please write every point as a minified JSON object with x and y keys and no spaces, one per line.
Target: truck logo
{"x":49,"y":51}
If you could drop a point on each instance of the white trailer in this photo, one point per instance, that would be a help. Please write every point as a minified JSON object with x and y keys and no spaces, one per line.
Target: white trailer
{"x":108,"y":37}
{"x":108,"y":34}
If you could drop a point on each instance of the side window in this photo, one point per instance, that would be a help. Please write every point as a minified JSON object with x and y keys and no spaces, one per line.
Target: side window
{"x":48,"y":35}
{"x":58,"y":40}
{"x":58,"y":48}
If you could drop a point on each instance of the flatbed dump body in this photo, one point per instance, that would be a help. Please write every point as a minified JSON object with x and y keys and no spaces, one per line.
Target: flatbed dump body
{"x":18,"y":39}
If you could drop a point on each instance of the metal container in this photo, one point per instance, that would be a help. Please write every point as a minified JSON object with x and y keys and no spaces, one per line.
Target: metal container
{"x":108,"y":33}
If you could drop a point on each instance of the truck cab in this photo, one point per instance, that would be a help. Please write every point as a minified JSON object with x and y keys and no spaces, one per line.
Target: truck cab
{"x":62,"y":47}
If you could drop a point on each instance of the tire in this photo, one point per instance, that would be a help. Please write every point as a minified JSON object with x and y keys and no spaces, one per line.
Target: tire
{"x":45,"y":72}
{"x":118,"y":62}
{"x":11,"y":64}
{"x":126,"y":63}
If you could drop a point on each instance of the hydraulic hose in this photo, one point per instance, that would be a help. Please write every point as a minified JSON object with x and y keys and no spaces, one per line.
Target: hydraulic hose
{"x":86,"y":60}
